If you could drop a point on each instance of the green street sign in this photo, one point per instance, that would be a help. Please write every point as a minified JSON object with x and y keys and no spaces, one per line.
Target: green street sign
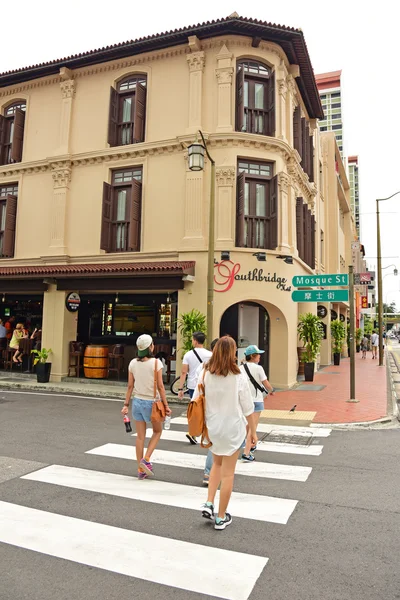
{"x":339,"y":279}
{"x":320,"y":296}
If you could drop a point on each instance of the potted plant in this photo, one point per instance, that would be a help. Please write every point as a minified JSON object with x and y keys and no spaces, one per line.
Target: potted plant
{"x":43,"y":367}
{"x":338,"y":332}
{"x":188,"y":324}
{"x":310,"y":332}
{"x":359,"y":335}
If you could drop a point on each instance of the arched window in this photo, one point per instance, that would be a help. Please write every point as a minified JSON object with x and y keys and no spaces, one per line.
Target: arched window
{"x":255,"y":98}
{"x":127,"y":111}
{"x":12,"y":133}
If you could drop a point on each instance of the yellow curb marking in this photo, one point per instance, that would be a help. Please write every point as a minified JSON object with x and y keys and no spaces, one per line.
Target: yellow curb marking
{"x":298,"y":415}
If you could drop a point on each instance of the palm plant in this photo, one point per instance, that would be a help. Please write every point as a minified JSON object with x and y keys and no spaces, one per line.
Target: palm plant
{"x":41,"y":355}
{"x":188,"y":324}
{"x":311,"y":333}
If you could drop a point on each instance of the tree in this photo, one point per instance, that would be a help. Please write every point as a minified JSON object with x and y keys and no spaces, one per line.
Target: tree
{"x":389,"y":308}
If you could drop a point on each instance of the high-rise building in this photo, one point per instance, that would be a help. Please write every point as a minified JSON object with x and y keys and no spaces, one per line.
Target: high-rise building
{"x":354,"y":194}
{"x":328,"y":85}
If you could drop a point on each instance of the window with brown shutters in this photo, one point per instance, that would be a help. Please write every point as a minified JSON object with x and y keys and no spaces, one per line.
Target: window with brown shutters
{"x":122,"y":211}
{"x":255,"y":98}
{"x":8,"y":219}
{"x":12,"y":125}
{"x":127,"y":112}
{"x":305,"y":233}
{"x":257,"y":206}
{"x":297,"y":141}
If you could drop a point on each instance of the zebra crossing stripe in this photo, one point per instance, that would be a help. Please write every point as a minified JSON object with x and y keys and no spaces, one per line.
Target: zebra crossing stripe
{"x":197,"y":461}
{"x":283,"y":429}
{"x":247,"y":506}
{"x":184,"y":565}
{"x":180,"y":436}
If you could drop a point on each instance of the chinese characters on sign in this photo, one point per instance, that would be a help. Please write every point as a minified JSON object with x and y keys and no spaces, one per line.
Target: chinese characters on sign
{"x":320,"y":296}
{"x":364,"y":301}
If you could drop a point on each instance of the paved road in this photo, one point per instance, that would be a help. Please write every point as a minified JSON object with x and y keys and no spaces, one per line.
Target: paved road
{"x":316,"y":520}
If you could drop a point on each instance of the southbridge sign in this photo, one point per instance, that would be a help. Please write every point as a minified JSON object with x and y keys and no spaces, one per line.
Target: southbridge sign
{"x":227,"y":273}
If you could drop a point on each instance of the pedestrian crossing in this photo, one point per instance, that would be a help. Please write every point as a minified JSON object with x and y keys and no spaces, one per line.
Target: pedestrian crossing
{"x":193,"y":567}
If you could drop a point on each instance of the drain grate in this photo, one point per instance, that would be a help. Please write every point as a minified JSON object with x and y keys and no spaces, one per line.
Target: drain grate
{"x":287,"y":438}
{"x":309,"y":387}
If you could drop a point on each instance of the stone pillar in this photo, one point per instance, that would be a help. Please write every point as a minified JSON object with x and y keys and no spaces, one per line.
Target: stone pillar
{"x":61,"y":173}
{"x":196,"y":61}
{"x":225,"y":208}
{"x":68,"y":88}
{"x":59,"y":328}
{"x":291,"y":103}
{"x":195,"y":207}
{"x":283,"y":212}
{"x":224,"y":73}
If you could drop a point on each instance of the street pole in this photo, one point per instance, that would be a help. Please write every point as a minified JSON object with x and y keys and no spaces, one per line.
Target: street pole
{"x":211,"y":248}
{"x":352,"y":337}
{"x":380,"y":299}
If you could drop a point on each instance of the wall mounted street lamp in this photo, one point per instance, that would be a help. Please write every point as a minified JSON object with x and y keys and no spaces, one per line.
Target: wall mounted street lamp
{"x":286,"y":259}
{"x":261,"y":256}
{"x":196,"y":163}
{"x":380,"y":294}
{"x":225,"y":255}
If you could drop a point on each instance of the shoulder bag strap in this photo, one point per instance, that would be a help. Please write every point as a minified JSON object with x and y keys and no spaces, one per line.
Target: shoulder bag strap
{"x":155,"y":379}
{"x":257,"y":386}
{"x":197,"y":356}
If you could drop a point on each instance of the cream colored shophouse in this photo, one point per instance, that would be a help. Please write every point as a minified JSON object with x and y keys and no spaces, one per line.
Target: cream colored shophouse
{"x":96,"y":196}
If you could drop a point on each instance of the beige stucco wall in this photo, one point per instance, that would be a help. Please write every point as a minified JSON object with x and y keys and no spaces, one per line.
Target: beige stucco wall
{"x":66,"y":160}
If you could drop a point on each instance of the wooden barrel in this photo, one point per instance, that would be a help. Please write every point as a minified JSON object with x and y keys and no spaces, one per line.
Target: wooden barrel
{"x":95,"y":362}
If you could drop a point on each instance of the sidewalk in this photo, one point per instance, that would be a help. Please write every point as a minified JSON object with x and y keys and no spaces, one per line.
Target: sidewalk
{"x":326,"y":396}
{"x":322,"y":401}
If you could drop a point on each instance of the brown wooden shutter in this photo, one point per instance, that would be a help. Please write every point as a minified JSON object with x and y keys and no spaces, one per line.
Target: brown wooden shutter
{"x":297,"y":130}
{"x":3,"y":125}
{"x":9,"y":226}
{"x":312,"y":241}
{"x":299,"y":227}
{"x":240,"y":99}
{"x":140,"y":113}
{"x":135,"y":216}
{"x":271,"y":106}
{"x":303,"y":143}
{"x":305,"y":237}
{"x":241,"y":180}
{"x":106,"y":218}
{"x":308,"y":258}
{"x":18,"y":135}
{"x":112,"y":138}
{"x":311,"y":159}
{"x":273,"y":213}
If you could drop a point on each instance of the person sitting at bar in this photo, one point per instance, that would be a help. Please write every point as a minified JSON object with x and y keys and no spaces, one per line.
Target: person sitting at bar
{"x":17,"y":336}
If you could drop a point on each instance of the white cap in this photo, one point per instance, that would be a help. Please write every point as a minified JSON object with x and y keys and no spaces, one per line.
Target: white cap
{"x":143,"y":342}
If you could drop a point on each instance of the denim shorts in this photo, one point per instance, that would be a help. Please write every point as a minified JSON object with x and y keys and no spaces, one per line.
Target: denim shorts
{"x":258,"y":406}
{"x":141,"y":410}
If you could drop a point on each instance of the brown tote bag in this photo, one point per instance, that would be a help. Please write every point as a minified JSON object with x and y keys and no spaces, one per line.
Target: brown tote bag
{"x":158,"y":409}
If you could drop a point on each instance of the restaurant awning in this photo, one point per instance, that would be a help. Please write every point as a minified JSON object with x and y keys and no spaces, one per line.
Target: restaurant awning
{"x":166,"y":275}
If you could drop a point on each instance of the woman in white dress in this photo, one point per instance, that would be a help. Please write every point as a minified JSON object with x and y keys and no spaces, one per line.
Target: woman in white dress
{"x":229,"y":407}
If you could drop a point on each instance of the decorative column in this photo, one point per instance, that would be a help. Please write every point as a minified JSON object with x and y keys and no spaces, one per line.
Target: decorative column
{"x":195,"y":207}
{"x":224,"y":74}
{"x":68,"y":88}
{"x":196,"y":61}
{"x":283,"y":212}
{"x":61,"y":174}
{"x":225,"y":212}
{"x":281,"y":104}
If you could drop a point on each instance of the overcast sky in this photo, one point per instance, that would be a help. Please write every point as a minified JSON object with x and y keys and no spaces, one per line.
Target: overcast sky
{"x":358,"y":36}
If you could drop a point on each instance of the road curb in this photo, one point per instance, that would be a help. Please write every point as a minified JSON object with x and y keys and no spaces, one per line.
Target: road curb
{"x":394,"y":368}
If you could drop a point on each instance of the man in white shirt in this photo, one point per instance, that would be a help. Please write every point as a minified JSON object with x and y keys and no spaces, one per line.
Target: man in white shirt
{"x":374,"y":344}
{"x":191,"y":361}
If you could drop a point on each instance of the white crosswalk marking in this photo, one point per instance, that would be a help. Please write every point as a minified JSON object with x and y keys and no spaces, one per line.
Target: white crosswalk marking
{"x":247,"y":506}
{"x":314,"y":450}
{"x":196,"y":461}
{"x":223,"y":573}
{"x":188,"y":566}
{"x":283,"y":429}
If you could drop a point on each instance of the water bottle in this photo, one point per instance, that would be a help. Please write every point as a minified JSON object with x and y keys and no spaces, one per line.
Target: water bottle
{"x":167,"y":422}
{"x":127,"y":422}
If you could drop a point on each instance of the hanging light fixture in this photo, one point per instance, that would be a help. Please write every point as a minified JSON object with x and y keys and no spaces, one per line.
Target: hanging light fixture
{"x":116,"y":298}
{"x":196,"y":157}
{"x":3,"y":298}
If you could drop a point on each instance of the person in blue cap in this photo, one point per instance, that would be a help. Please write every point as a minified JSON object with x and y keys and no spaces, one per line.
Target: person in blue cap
{"x":259,"y":386}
